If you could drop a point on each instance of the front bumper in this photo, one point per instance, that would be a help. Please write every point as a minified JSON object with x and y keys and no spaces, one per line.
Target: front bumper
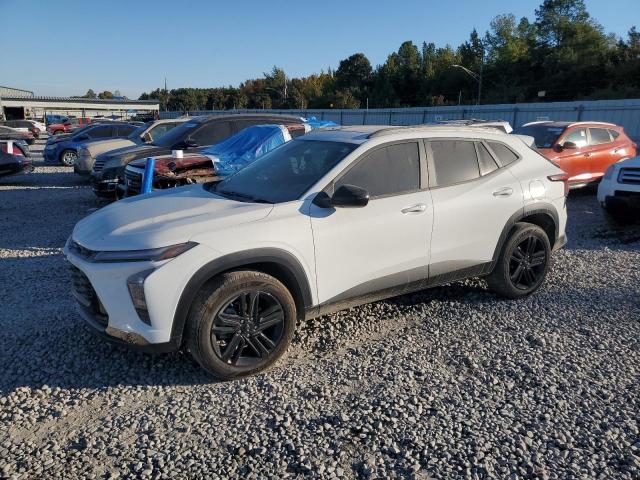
{"x":50,"y":155}
{"x":105,"y":182}
{"x":83,"y":165}
{"x":104,"y":302}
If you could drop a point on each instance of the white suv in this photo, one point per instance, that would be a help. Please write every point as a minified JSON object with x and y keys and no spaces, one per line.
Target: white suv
{"x":619,"y":190}
{"x":332,"y":219}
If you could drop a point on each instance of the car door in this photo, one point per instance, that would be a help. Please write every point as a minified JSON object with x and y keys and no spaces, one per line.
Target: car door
{"x":474,"y":196}
{"x":384,"y":245}
{"x":601,"y":150}
{"x":575,"y":161}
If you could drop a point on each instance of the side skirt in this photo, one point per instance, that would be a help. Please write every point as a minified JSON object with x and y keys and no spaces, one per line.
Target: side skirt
{"x":423,"y":284}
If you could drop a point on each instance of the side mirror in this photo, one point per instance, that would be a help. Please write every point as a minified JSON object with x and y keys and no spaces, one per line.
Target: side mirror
{"x":569,"y":145}
{"x":82,"y":138}
{"x":146,"y":138}
{"x":347,"y":196}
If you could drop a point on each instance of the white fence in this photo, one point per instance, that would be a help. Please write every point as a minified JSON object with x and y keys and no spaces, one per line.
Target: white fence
{"x":620,"y":112}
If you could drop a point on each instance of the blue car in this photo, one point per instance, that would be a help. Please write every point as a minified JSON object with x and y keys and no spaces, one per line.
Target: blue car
{"x":64,"y":148}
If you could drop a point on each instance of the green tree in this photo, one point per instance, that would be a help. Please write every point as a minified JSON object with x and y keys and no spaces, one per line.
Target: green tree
{"x":90,"y":94}
{"x":105,"y":95}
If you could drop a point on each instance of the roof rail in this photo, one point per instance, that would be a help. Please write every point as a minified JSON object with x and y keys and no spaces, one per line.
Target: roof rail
{"x":427,"y":127}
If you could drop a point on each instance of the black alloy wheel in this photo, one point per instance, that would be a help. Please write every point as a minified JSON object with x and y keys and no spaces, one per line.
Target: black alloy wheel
{"x":247,"y":330}
{"x":523,"y":262}
{"x":527,"y":263}
{"x":240,"y":323}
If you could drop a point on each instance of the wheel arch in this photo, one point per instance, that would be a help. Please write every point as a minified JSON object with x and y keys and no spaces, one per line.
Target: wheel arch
{"x":278,"y":263}
{"x":544,"y":215}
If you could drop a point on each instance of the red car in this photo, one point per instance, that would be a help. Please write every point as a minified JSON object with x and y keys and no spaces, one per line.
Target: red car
{"x":68,"y":126}
{"x":582,"y":149}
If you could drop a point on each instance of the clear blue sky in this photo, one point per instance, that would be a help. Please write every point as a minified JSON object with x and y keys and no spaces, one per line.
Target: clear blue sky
{"x":65,"y":47}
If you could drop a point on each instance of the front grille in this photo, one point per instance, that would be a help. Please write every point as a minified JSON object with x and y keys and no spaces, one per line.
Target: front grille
{"x":133,"y":181}
{"x":99,"y":164}
{"x":629,"y":176}
{"x":86,"y":296}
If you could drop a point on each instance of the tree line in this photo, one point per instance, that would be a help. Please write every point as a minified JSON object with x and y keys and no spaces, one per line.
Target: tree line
{"x":563,"y":54}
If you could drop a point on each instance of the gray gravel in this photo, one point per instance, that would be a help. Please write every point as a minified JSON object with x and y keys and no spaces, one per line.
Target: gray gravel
{"x":452,"y":382}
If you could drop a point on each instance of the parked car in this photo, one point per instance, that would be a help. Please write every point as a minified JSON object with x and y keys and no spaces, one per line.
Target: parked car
{"x":69,"y":125}
{"x":51,"y":119}
{"x":144,"y":134}
{"x":64,"y":149}
{"x":42,"y":128}
{"x":8,"y":133}
{"x":212,"y":163}
{"x":16,"y":161}
{"x":332,"y":219}
{"x":108,"y":169}
{"x":22,"y":126}
{"x":619,"y":191}
{"x":582,"y":149}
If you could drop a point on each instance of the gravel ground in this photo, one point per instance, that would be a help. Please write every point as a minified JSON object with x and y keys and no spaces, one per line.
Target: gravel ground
{"x":448,"y":383}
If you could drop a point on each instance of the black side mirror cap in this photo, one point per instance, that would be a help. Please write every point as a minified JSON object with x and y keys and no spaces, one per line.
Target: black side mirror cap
{"x":350,"y":196}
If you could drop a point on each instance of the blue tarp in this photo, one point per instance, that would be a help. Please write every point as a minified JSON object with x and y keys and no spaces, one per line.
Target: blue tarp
{"x":313,"y":122}
{"x":245,"y":146}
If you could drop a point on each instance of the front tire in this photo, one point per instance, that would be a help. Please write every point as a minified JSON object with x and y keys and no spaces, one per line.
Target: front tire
{"x":69,"y":157}
{"x":523,"y":263}
{"x":241,"y":323}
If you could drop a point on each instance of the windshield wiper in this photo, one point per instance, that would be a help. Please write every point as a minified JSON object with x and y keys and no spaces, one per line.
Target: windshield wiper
{"x":244,"y":196}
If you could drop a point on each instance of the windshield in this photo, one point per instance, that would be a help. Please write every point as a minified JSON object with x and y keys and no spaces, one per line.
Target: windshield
{"x":176,"y":134}
{"x":135,"y":135}
{"x":284,"y":174}
{"x":544,"y":135}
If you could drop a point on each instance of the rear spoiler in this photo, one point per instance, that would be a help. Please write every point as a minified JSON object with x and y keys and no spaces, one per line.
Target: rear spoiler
{"x":528,"y":140}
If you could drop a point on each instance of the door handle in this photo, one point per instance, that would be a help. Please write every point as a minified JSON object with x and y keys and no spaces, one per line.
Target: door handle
{"x":587,"y":155}
{"x":503,"y":192}
{"x":417,"y":208}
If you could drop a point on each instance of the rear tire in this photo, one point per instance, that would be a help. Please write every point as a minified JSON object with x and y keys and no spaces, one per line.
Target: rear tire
{"x":241,"y":323}
{"x":523,"y":262}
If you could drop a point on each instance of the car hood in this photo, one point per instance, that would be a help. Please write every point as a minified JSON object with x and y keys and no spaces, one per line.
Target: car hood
{"x":631,"y":162}
{"x":162,"y":218}
{"x":110,"y":145}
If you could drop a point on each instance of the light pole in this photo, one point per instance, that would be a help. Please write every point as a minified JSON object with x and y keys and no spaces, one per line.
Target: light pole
{"x":475,"y":76}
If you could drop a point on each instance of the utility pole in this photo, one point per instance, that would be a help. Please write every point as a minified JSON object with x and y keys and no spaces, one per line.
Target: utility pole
{"x":480,"y":80}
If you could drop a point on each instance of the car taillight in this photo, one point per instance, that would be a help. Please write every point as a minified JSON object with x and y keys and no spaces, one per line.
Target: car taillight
{"x":561,"y":177}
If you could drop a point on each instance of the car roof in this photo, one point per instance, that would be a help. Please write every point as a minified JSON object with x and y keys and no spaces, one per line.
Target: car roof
{"x":361,"y":133}
{"x":564,"y":124}
{"x":245,"y":116}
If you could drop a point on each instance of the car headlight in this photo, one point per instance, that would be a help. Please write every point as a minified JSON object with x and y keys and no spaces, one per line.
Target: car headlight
{"x":150,"y":255}
{"x":609,"y":173}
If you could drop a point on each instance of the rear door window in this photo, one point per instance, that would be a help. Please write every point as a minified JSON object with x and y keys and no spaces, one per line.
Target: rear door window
{"x":124,"y":130}
{"x":390,"y":170}
{"x":599,"y":136}
{"x":454,"y":161}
